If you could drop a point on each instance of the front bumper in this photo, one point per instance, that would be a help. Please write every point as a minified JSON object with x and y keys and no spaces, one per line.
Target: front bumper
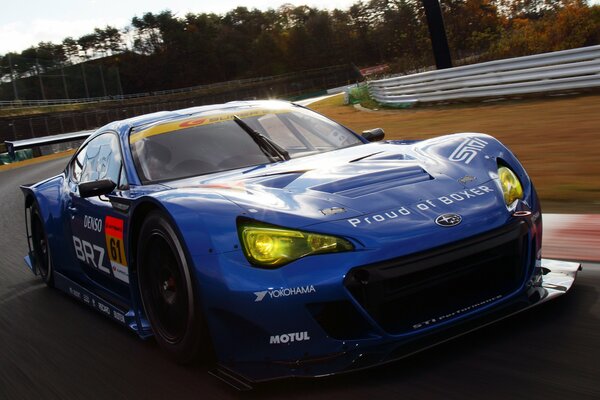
{"x":347,"y":311}
{"x":557,"y":279}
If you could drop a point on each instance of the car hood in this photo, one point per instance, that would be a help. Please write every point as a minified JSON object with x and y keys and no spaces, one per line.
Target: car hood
{"x":361,"y":180}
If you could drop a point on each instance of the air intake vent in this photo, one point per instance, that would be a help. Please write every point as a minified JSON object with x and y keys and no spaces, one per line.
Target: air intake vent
{"x":375,"y":182}
{"x":400,"y":294}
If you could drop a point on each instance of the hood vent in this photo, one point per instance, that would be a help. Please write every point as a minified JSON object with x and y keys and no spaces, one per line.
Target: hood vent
{"x":279,"y":181}
{"x":375,"y":181}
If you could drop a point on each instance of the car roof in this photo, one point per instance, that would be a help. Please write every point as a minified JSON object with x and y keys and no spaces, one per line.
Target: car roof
{"x":124,"y":126}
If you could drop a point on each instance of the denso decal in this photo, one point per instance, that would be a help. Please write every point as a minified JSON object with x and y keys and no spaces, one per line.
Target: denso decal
{"x":284,"y":292}
{"x":463,"y":195}
{"x":467,"y":150}
{"x":91,"y":223}
{"x":289,"y":338}
{"x":116,"y":248}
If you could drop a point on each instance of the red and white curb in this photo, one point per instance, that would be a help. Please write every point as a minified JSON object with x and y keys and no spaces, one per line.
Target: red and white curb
{"x":571,"y":237}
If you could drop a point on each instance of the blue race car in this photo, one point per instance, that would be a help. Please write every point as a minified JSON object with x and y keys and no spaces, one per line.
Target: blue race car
{"x":279,"y":243}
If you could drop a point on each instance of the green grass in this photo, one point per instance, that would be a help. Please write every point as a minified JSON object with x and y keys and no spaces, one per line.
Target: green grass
{"x":556,"y":138}
{"x":360,"y":95}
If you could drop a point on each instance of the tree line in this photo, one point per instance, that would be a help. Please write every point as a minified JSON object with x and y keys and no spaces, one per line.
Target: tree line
{"x":162,"y":51}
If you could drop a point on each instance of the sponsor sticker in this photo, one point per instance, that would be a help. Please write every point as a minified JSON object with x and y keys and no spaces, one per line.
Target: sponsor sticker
{"x":456,"y":313}
{"x":199,"y":121}
{"x":466,"y":179}
{"x":94,"y":302}
{"x":91,"y":223}
{"x":430,"y":204}
{"x":91,"y":254}
{"x":284,"y":292}
{"x":333,"y":210}
{"x":116,"y":248}
{"x":289,"y":338}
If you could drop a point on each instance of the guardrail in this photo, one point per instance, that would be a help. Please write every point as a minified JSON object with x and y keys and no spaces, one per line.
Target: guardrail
{"x":119,"y":97}
{"x":547,"y":72}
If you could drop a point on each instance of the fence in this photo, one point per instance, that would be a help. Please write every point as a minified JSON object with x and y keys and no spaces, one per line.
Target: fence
{"x":218,"y":86}
{"x":549,"y":72}
{"x":283,"y":86}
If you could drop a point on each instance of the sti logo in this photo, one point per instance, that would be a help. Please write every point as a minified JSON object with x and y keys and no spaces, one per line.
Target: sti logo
{"x":467,"y":150}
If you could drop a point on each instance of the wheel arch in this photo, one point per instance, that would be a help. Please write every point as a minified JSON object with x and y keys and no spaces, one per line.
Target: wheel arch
{"x":141,"y":210}
{"x":48,"y":209}
{"x":138,"y":216}
{"x":194,"y":221}
{"x":135,"y":226}
{"x":30,"y":197}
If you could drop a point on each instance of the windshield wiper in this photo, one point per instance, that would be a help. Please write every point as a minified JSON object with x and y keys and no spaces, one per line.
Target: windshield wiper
{"x":268,"y":146}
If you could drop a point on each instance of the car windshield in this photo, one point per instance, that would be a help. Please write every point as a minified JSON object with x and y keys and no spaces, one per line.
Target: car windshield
{"x":213,"y":141}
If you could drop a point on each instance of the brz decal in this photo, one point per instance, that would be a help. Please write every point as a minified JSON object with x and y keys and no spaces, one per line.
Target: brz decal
{"x":467,"y":150}
{"x":285,"y":292}
{"x":425,"y":205}
{"x":289,"y":338}
{"x":116,"y":248}
{"x":90,"y":254}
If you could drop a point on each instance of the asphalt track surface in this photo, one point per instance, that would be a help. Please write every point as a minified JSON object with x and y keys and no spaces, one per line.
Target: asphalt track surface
{"x":52,"y":347}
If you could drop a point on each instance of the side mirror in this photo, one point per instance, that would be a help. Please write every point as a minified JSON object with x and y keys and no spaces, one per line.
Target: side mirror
{"x":374,"y":135}
{"x":96,"y":188}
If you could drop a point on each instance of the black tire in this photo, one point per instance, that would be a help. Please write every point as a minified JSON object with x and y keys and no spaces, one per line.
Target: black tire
{"x":41,"y":247}
{"x":168,"y":294}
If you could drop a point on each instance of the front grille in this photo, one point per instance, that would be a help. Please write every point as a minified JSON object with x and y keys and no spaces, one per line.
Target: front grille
{"x":403,"y":294}
{"x":340,"y":320}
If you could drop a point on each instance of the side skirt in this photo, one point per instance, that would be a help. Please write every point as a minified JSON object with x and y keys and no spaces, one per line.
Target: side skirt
{"x":123,"y":317}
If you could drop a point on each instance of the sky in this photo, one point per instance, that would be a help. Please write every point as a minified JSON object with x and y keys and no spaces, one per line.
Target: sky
{"x":24,"y":23}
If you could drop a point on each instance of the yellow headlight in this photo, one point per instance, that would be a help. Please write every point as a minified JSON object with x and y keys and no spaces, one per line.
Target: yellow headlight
{"x":511,"y":186}
{"x":264,"y":244}
{"x":273,"y":247}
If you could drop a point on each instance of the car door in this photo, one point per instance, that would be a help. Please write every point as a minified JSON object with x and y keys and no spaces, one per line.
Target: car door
{"x":96,"y":228}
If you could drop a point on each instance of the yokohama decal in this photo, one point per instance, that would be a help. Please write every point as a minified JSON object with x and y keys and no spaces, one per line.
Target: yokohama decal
{"x":113,"y":227}
{"x":467,"y":150}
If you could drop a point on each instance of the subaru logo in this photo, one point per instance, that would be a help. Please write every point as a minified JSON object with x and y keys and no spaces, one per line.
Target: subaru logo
{"x":448,"y":220}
